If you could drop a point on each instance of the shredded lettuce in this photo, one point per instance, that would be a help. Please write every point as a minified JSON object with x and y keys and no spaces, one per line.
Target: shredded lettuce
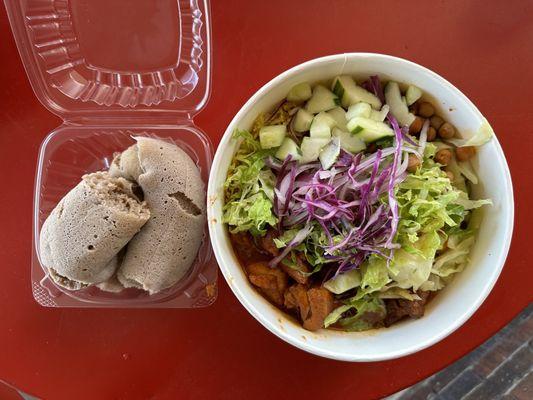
{"x":312,"y":247}
{"x":427,"y":202}
{"x":372,"y":276}
{"x":249,"y":188}
{"x":465,"y":168}
{"x":344,"y":282}
{"x":282,"y":240}
{"x":482,"y":136}
{"x":454,"y":259}
{"x":410,"y":269}
{"x":369,"y":311}
{"x":458,"y":181}
{"x":398,"y":293}
{"x":469,"y":204}
{"x":433,"y":211}
{"x":375,"y":276}
{"x":336,"y":314}
{"x":434,"y":283}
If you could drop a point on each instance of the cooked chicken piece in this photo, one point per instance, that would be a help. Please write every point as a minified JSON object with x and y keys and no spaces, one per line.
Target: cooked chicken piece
{"x":270,"y":281}
{"x":267,"y":243}
{"x":398,"y":309}
{"x":313,"y":305}
{"x":299,"y":275}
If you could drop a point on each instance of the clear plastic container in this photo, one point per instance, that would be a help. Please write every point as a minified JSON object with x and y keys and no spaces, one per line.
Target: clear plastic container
{"x":113,"y":70}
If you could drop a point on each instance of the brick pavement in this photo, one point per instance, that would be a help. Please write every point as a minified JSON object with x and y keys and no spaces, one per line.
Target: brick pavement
{"x":501,"y":368}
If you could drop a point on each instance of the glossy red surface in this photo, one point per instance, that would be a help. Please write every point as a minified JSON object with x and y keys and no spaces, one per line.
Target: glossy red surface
{"x":484,"y":48}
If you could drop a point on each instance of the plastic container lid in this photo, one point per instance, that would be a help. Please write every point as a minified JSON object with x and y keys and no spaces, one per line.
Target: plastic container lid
{"x":99,"y":58}
{"x":113,"y":70}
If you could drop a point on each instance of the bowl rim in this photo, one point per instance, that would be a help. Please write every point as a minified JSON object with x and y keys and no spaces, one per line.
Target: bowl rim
{"x":294,"y":340}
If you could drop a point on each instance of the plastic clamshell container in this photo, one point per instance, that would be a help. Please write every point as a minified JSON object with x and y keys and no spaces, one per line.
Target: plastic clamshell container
{"x":114,"y":70}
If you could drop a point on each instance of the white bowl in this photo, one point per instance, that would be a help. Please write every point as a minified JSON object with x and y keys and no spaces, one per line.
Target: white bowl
{"x":453,"y":305}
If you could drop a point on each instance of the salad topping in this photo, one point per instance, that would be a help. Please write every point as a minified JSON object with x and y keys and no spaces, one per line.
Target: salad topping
{"x":358,"y":195}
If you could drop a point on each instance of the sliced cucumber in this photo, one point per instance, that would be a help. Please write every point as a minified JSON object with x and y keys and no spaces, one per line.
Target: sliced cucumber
{"x":288,"y":147}
{"x":321,"y":126}
{"x":311,"y":148}
{"x":413,"y":94}
{"x":404,"y":100}
{"x":398,"y":108}
{"x":302,"y":121}
{"x":272,"y":136}
{"x":300,"y":93}
{"x":380,"y":115}
{"x":339,"y":115}
{"x":349,"y":142}
{"x":321,"y":100}
{"x":349,"y":93}
{"x":369,"y":130}
{"x":329,"y":153}
{"x":359,"y":110}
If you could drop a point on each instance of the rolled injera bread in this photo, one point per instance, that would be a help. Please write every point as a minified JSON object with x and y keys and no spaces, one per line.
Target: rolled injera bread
{"x":166,"y":247}
{"x":126,"y":164}
{"x":112,"y":284}
{"x":88,"y":227}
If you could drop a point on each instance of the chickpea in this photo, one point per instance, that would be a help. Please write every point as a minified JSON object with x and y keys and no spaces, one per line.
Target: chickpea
{"x":414,"y":107}
{"x":447,"y":131}
{"x":432,"y":134}
{"x":465,"y":153}
{"x":416,"y":126}
{"x":413,"y":163}
{"x":436,"y":121}
{"x":450,"y":175}
{"x":443,"y":156}
{"x":425,"y":109}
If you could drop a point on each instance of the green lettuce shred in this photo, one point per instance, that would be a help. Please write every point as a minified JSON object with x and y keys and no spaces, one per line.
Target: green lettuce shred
{"x":249,"y":188}
{"x":312,"y":248}
{"x":344,"y":282}
{"x":368,"y":310}
{"x":483,"y":135}
{"x":434,"y":245}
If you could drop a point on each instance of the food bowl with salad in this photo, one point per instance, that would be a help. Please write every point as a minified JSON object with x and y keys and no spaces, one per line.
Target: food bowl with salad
{"x":360,"y":207}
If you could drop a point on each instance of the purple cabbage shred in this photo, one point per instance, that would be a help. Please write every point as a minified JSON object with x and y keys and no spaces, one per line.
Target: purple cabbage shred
{"x":353,"y":202}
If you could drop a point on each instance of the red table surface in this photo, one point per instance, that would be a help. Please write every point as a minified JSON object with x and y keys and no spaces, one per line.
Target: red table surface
{"x":484,"y":48}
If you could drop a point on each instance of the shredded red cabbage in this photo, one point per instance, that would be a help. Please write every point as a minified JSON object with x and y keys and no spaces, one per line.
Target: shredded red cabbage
{"x":375,"y":84}
{"x":393,"y":204}
{"x":353,"y":202}
{"x":297,"y":240}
